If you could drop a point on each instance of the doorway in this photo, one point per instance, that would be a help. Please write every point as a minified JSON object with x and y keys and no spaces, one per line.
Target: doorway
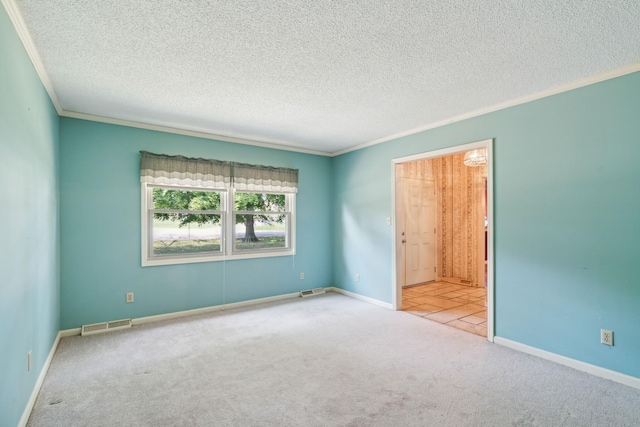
{"x":443,"y":227}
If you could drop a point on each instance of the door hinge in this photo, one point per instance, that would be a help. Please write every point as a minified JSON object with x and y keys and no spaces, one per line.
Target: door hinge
{"x":434,"y":269}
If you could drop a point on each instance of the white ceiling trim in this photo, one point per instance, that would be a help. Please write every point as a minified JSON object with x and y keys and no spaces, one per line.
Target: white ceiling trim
{"x":607,"y":75}
{"x":24,"y":35}
{"x":187,"y":132}
{"x":21,"y":28}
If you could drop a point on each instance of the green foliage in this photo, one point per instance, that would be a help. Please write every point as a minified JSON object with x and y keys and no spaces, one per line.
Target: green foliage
{"x":186,"y":200}
{"x":207,"y":200}
{"x":260,"y":202}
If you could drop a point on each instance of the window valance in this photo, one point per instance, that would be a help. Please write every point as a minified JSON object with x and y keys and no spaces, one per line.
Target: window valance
{"x":247,"y":177}
{"x":197,"y":172}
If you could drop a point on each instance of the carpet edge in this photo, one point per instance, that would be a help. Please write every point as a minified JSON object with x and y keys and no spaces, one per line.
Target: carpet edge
{"x":38,"y":385}
{"x":597,"y":371}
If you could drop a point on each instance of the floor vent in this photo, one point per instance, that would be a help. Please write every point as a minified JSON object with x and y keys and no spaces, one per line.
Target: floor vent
{"x":466,"y":282}
{"x":97,"y":328}
{"x":312,"y":292}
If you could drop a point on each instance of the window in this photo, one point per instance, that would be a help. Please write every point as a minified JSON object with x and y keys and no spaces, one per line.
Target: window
{"x":196,"y":210}
{"x":261,"y":221}
{"x":184,"y":221}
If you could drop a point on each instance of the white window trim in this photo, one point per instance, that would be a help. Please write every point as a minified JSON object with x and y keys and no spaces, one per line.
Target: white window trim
{"x":228,"y":251}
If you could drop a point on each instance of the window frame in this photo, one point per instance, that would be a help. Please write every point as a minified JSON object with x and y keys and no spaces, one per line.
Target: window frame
{"x":289,"y":203}
{"x":227,"y":224}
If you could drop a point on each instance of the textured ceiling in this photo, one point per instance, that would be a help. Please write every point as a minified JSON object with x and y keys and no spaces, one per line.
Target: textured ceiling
{"x":324,"y":75}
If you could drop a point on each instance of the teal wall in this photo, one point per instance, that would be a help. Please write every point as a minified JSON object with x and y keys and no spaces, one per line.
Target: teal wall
{"x":567,"y":196}
{"x":100,"y":228}
{"x":29,"y":249}
{"x":567,"y":222}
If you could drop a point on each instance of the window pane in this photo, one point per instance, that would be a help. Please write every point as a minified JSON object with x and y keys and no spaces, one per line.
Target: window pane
{"x":186,"y":199}
{"x":260,"y":202}
{"x":261,"y":232}
{"x":175,"y":234}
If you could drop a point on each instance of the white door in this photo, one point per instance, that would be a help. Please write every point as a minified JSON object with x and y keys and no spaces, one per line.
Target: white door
{"x":420,"y":230}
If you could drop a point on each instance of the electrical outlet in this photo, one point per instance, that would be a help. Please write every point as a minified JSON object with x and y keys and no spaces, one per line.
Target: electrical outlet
{"x":606,"y":337}
{"x":301,"y":276}
{"x":129,"y":297}
{"x":357,"y":277}
{"x":388,"y":220}
{"x":29,"y":361}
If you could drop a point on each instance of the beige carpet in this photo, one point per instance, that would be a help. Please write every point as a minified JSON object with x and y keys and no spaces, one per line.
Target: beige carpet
{"x":327,"y":360}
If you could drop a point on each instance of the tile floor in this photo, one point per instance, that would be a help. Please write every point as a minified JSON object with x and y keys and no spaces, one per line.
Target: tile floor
{"x":460,"y":306}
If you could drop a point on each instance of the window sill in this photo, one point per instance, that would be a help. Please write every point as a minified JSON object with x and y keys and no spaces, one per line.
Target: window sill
{"x":213,"y":258}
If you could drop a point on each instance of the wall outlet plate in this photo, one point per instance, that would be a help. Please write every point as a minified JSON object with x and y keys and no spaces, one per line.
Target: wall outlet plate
{"x":606,"y":337}
{"x":301,"y":276}
{"x":129,"y":297}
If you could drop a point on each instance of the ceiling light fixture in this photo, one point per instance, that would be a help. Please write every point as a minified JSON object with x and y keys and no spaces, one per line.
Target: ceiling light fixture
{"x":475,"y":157}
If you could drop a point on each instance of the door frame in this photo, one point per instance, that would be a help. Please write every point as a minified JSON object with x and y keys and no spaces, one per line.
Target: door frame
{"x":396,"y":280}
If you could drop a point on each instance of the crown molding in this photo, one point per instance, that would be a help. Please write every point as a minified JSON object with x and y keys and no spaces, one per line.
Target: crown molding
{"x":24,"y":35}
{"x":187,"y":132}
{"x":587,"y":81}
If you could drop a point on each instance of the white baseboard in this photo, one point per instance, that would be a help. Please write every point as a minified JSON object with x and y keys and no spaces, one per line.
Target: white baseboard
{"x":38,"y":385}
{"x":608,"y":374}
{"x":193,"y":312}
{"x":210,"y":309}
{"x":214,"y":308}
{"x":361,"y":297}
{"x":572,"y":363}
{"x":70,"y":332}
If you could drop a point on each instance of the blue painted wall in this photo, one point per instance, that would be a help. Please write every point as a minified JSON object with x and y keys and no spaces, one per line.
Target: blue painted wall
{"x":567,"y":193}
{"x":100,"y":226}
{"x":29,"y":249}
{"x":567,"y":222}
